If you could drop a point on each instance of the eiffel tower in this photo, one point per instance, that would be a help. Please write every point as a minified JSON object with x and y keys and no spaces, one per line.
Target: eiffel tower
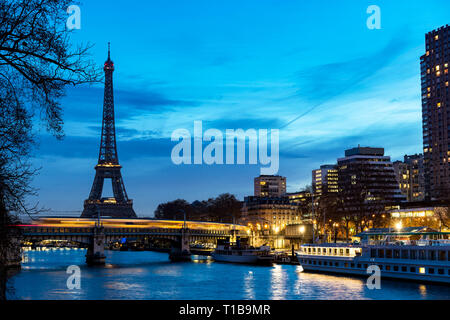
{"x":108,"y":166}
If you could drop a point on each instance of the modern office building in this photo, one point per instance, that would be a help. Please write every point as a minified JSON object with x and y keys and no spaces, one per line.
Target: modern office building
{"x":410,"y":176}
{"x":270,"y":186}
{"x":367,"y":181}
{"x":436,"y":113}
{"x":325,"y":180}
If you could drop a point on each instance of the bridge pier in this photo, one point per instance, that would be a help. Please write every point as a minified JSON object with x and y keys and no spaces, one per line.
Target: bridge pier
{"x":96,"y":249}
{"x":180,"y":250}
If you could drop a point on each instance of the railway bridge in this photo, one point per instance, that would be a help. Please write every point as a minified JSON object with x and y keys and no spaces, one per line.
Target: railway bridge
{"x":96,"y":233}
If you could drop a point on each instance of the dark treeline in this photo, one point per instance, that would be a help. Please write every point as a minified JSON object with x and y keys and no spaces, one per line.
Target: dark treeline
{"x":223,"y":208}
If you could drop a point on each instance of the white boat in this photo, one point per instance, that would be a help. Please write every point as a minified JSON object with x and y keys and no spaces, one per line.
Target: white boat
{"x":424,"y":260}
{"x":238,"y":253}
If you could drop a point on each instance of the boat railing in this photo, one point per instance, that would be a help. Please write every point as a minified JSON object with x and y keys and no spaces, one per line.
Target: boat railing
{"x":441,"y":242}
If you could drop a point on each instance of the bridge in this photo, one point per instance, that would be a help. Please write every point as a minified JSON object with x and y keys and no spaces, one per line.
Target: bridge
{"x":97,"y":233}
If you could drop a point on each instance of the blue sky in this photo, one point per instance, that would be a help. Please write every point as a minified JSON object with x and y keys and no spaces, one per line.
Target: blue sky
{"x":309,"y":68}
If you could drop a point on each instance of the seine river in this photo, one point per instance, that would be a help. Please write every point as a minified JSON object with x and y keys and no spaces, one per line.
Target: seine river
{"x":150,"y":275}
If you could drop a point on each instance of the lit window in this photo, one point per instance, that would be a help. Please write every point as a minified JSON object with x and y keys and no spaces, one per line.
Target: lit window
{"x":421,"y":270}
{"x":439,"y":105}
{"x":436,"y":37}
{"x":437,"y":68}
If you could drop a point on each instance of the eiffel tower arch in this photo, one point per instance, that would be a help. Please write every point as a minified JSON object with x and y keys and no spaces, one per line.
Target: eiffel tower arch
{"x":108,"y":167}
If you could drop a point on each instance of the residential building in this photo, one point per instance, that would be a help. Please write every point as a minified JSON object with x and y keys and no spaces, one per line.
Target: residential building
{"x":410,"y":176}
{"x":269,"y":186}
{"x":436,"y":113}
{"x":325,"y":180}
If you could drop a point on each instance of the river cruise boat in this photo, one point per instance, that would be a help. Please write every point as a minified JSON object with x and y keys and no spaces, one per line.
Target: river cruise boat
{"x":410,"y":254}
{"x":242,"y":253}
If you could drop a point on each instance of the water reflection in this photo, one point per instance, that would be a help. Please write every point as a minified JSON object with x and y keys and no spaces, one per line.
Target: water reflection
{"x":279,"y":278}
{"x":150,"y":275}
{"x":249,"y":286}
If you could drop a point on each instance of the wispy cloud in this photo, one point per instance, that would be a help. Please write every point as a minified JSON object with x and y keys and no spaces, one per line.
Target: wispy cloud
{"x":320,"y":84}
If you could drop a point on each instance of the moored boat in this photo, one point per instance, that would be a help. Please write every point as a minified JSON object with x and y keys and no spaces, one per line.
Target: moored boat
{"x":424,"y":257}
{"x":242,"y":253}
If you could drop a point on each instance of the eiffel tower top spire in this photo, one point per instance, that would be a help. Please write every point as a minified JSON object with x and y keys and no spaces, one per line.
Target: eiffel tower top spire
{"x":109,"y":64}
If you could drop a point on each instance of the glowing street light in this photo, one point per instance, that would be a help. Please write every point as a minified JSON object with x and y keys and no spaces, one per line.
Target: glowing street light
{"x":398,"y":226}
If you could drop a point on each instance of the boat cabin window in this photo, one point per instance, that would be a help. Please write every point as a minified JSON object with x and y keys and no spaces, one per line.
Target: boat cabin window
{"x":335,"y":251}
{"x":404,"y":254}
{"x":413,"y":254}
{"x":421,"y":254}
{"x":412,"y":269}
{"x":389,"y":253}
{"x":380,"y":253}
{"x":373,"y":253}
{"x":341,"y":252}
{"x":431,"y":255}
{"x":396,"y":254}
{"x":441,"y":255}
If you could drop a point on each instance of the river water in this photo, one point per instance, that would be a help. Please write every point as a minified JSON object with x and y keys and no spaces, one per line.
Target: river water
{"x":150,"y":275}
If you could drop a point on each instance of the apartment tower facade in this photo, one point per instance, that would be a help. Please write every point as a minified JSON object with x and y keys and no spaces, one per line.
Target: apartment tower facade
{"x":436,"y":113}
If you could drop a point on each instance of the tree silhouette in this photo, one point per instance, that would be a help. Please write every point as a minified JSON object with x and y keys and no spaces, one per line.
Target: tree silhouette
{"x":37,"y":62}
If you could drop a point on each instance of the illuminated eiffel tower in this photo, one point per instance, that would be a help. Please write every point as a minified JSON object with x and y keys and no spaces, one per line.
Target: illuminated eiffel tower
{"x":108,"y":166}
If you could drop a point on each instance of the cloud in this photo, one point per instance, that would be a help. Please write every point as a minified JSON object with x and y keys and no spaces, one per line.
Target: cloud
{"x":322,"y":83}
{"x":86,"y":103}
{"x":88,"y":147}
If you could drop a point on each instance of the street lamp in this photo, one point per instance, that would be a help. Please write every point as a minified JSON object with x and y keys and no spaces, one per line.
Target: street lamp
{"x":335,"y":225}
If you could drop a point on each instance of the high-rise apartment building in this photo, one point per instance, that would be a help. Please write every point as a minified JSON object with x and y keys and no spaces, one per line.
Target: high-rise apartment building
{"x":410,"y":177}
{"x":325,"y":180}
{"x":436,"y":113}
{"x":367,"y":180}
{"x":270,"y":186}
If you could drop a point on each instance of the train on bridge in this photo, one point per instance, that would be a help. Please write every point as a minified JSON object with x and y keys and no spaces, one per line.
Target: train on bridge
{"x":96,"y":233}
